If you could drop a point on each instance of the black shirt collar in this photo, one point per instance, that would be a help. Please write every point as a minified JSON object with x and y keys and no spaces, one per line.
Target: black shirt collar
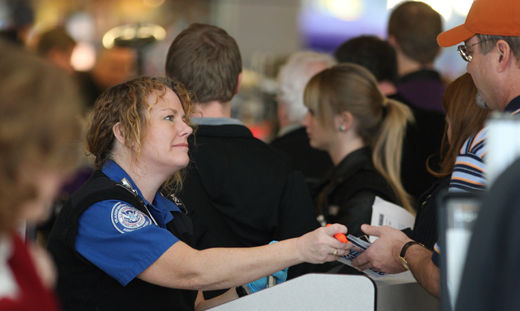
{"x":514,"y":106}
{"x":428,"y":74}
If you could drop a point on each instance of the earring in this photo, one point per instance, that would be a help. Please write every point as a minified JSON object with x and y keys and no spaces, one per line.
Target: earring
{"x":341,"y":128}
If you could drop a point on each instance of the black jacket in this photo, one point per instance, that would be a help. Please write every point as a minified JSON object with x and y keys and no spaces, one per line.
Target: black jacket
{"x":422,"y":140}
{"x":83,"y":286}
{"x":349,"y":193}
{"x":313,"y":163}
{"x":240,"y":192}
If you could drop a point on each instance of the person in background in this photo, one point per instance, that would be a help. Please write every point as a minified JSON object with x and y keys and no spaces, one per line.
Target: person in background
{"x":395,"y":252}
{"x":16,"y":20}
{"x":488,"y":41}
{"x":119,"y":237}
{"x":39,"y":134}
{"x":423,"y":137}
{"x":113,"y":66}
{"x":57,"y":45}
{"x":463,"y":118}
{"x":412,"y":30}
{"x":239,"y":191}
{"x":490,"y":44}
{"x":362,"y":131}
{"x":292,"y":139}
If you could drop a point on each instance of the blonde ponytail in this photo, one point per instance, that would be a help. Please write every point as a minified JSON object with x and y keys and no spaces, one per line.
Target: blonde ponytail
{"x":387,"y":148}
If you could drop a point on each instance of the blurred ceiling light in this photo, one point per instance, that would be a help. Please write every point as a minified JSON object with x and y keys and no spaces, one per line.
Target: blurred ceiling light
{"x":348,"y":10}
{"x":83,"y":57}
{"x":153,"y":3}
{"x":135,"y":35}
{"x":390,"y":4}
{"x":81,"y":27}
{"x":444,"y":7}
{"x":462,"y":7}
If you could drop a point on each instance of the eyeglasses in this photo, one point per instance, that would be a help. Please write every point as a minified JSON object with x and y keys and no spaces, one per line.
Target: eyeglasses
{"x":465,"y":51}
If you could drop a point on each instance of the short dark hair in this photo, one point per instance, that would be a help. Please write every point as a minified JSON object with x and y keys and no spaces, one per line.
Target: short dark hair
{"x":206,"y":59}
{"x":56,"y":37}
{"x":415,"y":26}
{"x":376,"y":55}
{"x":488,"y":42}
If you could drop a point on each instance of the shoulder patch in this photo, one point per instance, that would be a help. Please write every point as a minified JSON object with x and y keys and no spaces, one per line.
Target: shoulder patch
{"x":127,"y":218}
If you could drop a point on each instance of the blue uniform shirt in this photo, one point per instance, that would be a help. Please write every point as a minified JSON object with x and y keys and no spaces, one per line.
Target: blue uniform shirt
{"x":121,"y":240}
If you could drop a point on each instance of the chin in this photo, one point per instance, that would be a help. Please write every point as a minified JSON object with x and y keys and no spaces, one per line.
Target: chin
{"x":315,"y":145}
{"x":183,"y":163}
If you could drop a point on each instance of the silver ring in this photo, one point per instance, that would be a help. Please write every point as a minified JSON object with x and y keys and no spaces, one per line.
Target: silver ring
{"x":335,"y":252}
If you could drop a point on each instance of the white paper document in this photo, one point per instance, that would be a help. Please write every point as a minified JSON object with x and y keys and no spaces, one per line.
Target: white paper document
{"x":385,"y":213}
{"x":361,"y":246}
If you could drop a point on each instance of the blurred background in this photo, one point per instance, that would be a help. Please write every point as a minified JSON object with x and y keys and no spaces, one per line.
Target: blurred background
{"x":267,"y":32}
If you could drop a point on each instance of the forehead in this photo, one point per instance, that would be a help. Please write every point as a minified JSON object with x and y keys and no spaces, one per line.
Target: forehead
{"x":159,"y":101}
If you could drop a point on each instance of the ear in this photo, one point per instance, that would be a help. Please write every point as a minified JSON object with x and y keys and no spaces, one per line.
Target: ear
{"x":239,"y":82}
{"x":505,"y":55}
{"x":116,"y":129}
{"x":344,"y":120}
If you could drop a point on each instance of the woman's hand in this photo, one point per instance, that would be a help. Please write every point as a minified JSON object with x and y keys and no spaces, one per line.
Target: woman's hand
{"x":320,"y":246}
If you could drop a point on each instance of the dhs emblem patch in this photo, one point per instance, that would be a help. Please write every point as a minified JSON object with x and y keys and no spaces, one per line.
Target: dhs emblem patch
{"x":126,"y":218}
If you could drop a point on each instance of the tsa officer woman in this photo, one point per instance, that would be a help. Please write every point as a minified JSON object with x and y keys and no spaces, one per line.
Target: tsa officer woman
{"x":121,"y":244}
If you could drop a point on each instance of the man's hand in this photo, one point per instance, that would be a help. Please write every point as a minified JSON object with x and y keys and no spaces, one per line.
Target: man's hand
{"x":383,"y":254}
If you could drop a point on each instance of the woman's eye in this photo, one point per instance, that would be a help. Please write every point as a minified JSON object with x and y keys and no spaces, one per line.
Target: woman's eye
{"x":170,"y":117}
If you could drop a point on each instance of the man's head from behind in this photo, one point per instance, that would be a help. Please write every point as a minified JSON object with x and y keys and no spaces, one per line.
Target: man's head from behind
{"x":491,"y":37}
{"x":292,"y":78}
{"x":206,"y":59}
{"x":57,"y":45}
{"x":376,"y":55}
{"x":414,"y":27}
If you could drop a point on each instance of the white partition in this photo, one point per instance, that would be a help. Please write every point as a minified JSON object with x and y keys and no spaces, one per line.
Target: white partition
{"x":337,"y":292}
{"x":311,"y":292}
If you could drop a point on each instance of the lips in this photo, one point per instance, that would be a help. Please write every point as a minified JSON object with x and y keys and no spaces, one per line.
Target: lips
{"x":181,"y":145}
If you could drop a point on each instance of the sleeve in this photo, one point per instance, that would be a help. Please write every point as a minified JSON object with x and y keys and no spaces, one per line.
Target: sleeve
{"x":120,"y":240}
{"x":469,"y":170}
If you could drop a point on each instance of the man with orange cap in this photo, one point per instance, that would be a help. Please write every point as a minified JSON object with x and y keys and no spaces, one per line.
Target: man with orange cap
{"x":491,"y":46}
{"x":490,"y":40}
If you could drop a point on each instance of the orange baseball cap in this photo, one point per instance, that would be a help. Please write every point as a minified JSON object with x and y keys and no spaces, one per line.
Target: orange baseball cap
{"x":488,"y":17}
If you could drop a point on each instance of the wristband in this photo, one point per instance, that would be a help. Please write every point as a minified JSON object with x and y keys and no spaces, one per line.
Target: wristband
{"x":403,"y":253}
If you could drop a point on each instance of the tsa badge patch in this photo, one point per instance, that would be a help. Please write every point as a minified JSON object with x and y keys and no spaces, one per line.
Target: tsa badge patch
{"x":126,"y":218}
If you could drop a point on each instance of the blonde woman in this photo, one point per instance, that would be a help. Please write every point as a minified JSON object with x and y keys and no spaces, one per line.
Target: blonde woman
{"x":362,"y":131}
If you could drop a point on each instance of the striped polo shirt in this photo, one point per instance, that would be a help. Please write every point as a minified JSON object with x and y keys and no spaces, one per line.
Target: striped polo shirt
{"x":469,"y":170}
